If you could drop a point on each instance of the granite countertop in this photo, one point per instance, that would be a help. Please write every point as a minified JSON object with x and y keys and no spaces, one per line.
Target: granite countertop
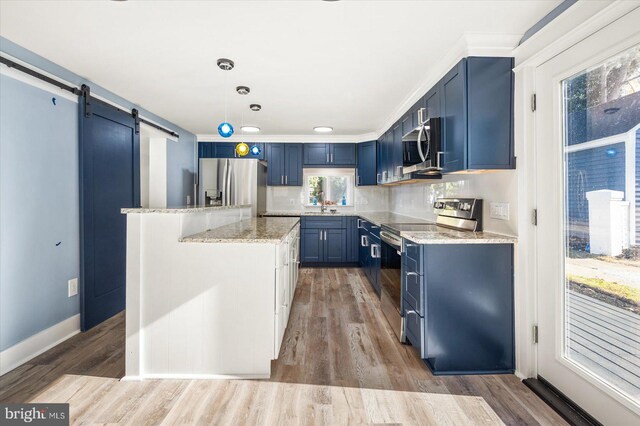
{"x":183,"y":209}
{"x":269,"y":230}
{"x":442,"y":235}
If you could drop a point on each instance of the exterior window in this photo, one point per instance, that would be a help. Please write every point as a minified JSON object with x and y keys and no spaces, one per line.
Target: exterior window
{"x":329,"y":190}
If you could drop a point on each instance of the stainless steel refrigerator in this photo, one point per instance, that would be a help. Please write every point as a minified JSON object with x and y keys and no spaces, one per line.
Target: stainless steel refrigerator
{"x":232,"y":182}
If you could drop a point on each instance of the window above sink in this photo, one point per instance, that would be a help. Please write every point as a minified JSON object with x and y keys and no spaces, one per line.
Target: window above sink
{"x":330,"y":187}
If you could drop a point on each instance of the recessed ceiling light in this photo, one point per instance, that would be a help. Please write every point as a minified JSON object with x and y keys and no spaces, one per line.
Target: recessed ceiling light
{"x":225,"y":64}
{"x":243,"y":90}
{"x":250,"y":129}
{"x":323,"y":129}
{"x":255,"y":107}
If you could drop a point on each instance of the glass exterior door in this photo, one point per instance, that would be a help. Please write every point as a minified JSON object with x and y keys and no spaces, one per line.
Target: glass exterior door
{"x":588,"y":233}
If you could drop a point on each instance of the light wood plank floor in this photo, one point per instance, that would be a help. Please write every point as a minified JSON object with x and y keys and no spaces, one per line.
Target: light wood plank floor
{"x":340,"y":363}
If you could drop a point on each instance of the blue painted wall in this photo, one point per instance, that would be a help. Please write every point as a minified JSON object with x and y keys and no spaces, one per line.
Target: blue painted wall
{"x":180,"y":170}
{"x":38,"y":210}
{"x":39,"y":196}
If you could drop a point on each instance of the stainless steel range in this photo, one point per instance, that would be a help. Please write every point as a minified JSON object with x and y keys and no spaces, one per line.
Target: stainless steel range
{"x":462,"y":214}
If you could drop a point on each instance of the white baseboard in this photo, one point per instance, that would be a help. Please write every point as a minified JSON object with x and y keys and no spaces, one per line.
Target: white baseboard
{"x":33,"y":346}
{"x":520,"y":375}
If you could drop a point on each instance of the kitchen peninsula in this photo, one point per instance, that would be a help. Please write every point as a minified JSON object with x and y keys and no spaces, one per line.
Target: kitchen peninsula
{"x":209,"y":291}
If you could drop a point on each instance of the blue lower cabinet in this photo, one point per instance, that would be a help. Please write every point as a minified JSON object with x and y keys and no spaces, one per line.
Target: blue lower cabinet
{"x":326,"y":240}
{"x":414,"y":330}
{"x":335,"y":245}
{"x":353,"y":240}
{"x":461,"y":319}
{"x":311,"y":245}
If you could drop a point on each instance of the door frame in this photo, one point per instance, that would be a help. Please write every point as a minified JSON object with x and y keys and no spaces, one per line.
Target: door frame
{"x":574,"y":25}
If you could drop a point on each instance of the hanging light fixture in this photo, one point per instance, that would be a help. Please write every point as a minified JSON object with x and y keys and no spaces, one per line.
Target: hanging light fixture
{"x":225,"y":129}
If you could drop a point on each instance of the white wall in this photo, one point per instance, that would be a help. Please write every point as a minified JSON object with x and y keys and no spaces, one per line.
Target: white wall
{"x":417,"y":199}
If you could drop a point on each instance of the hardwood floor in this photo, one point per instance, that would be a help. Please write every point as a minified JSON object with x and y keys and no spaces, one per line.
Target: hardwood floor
{"x":340,"y":363}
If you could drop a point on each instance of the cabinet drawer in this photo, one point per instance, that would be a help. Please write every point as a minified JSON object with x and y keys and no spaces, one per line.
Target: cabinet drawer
{"x":413,"y":326}
{"x":413,"y":250}
{"x":410,"y":265}
{"x":321,"y":222}
{"x":413,"y":290}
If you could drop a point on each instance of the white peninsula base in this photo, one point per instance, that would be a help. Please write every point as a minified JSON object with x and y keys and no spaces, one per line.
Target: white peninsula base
{"x":204,"y":309}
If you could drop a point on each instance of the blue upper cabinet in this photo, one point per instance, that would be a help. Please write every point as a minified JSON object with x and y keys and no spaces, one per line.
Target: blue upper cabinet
{"x":395,"y":170}
{"x":454,"y":117}
{"x":293,"y":164}
{"x":226,"y":150}
{"x":316,"y":154}
{"x":285,"y":164}
{"x":275,"y":168}
{"x":367,"y":162}
{"x":477,"y":110}
{"x":490,"y":113}
{"x":329,"y":155}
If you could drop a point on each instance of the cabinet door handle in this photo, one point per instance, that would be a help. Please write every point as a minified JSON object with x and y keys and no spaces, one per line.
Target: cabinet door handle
{"x":411,"y":312}
{"x":412,"y":273}
{"x":281,"y":180}
{"x":328,"y":158}
{"x":286,"y":179}
{"x":332,"y":158}
{"x":438,"y":154}
{"x":359,"y":222}
{"x":378,"y":177}
{"x":399,"y":171}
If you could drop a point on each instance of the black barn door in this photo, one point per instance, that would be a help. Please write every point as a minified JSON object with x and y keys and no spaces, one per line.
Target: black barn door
{"x":109,"y":181}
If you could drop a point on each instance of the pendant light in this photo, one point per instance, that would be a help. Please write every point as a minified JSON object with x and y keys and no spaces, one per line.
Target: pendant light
{"x":225,"y":129}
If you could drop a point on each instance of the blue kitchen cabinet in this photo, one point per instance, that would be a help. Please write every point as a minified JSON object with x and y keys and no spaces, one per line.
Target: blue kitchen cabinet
{"x":316,"y":154}
{"x":461,"y":320}
{"x":225,"y":150}
{"x":206,"y":150}
{"x":364,"y":257}
{"x":396,"y":153}
{"x":311,"y":245}
{"x":367,"y":164}
{"x":353,"y":240}
{"x":335,"y":245}
{"x":454,"y":117}
{"x":324,"y":240}
{"x":284,"y":164}
{"x":477,"y":111}
{"x":343,"y":154}
{"x":490,"y":113}
{"x":275,"y":161}
{"x":293,"y":164}
{"x":385,"y":160}
{"x":329,"y":155}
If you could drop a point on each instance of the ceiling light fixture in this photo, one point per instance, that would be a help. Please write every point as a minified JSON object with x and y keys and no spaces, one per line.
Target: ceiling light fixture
{"x":225,"y":64}
{"x":255,"y":107}
{"x":225,"y":129}
{"x":323,"y":129}
{"x":250,"y":129}
{"x":243,"y":90}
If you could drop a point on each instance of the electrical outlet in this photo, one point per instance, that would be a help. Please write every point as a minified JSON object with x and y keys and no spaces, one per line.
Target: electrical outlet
{"x":72,"y":286}
{"x":292,"y":201}
{"x":499,"y":211}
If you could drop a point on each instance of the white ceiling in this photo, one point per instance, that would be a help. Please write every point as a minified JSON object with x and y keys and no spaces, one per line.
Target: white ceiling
{"x":351,"y":65}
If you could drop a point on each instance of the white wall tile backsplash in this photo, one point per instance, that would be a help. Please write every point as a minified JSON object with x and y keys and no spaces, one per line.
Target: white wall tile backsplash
{"x":417,"y":199}
{"x":291,"y":198}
